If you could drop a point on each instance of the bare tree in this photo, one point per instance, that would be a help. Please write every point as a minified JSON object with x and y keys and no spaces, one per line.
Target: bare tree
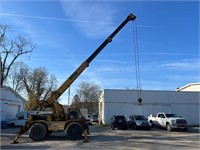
{"x":16,"y":74}
{"x":38,"y":85}
{"x":10,"y":50}
{"x":89,"y":94}
{"x":3,"y":30}
{"x":76,"y":102}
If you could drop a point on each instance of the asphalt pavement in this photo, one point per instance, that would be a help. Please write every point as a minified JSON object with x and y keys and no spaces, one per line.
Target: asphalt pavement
{"x":104,"y":138}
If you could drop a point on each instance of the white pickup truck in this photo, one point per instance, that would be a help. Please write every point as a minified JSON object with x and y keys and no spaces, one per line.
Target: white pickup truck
{"x":22,"y":117}
{"x":169,"y":121}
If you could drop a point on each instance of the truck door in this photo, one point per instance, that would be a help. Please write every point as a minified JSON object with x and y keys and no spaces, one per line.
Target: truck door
{"x":161,"y":120}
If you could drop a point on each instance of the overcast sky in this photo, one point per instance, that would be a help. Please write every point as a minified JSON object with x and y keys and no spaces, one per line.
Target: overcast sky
{"x":67,"y":32}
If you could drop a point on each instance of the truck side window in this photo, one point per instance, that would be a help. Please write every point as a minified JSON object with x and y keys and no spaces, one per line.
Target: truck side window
{"x":20,"y":116}
{"x":161,"y":116}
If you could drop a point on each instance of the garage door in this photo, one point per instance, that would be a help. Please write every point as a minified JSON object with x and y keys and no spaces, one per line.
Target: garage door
{"x":11,"y":111}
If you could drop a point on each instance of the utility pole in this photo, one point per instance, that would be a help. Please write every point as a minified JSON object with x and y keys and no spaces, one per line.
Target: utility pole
{"x":68,"y":95}
{"x":0,"y":71}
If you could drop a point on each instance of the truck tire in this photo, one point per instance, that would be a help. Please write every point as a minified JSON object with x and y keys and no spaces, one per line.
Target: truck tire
{"x":185,"y":129}
{"x":37,"y":132}
{"x":169,"y":128}
{"x":152,"y":124}
{"x":135,"y":126}
{"x":11,"y":125}
{"x":74,"y":131}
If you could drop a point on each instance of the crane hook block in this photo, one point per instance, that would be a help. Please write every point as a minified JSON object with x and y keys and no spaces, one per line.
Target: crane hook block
{"x":139,"y":100}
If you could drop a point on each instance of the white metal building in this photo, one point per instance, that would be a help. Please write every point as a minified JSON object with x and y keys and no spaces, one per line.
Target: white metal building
{"x":10,"y":103}
{"x":125,"y":102}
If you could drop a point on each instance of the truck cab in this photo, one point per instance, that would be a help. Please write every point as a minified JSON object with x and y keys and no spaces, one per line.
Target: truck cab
{"x":20,"y":118}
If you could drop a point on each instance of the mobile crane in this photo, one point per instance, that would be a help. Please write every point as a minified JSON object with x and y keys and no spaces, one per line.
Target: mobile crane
{"x":72,"y":121}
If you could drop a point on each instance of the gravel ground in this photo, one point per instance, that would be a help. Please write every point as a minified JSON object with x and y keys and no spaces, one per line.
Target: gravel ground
{"x":103,"y":138}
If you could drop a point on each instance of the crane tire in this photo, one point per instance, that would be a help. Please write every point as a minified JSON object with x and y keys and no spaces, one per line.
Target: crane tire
{"x":74,"y":131}
{"x":38,"y":131}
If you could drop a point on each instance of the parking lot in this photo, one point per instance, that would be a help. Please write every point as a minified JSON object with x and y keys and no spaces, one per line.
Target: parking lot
{"x":104,"y":138}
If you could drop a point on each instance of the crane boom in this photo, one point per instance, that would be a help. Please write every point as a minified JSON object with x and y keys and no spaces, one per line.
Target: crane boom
{"x":55,"y":95}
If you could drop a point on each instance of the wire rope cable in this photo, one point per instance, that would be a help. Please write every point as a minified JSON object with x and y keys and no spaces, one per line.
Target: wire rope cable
{"x":137,"y":61}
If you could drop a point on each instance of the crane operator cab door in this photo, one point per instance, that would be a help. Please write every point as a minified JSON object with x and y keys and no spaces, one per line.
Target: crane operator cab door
{"x":73,"y":113}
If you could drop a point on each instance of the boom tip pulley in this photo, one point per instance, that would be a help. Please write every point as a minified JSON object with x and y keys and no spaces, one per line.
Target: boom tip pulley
{"x":131,"y":17}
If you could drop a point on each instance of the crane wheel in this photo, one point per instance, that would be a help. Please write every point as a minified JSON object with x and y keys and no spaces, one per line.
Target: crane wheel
{"x":37,"y":132}
{"x":74,"y":131}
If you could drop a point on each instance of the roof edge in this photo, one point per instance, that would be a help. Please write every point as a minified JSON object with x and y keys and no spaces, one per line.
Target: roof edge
{"x":187,"y":85}
{"x":13,"y":91}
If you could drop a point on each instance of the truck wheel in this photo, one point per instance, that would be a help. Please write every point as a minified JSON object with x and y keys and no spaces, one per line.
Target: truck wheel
{"x":185,"y":129}
{"x":135,"y":126}
{"x":126,"y":128}
{"x":37,"y":131}
{"x":74,"y":131}
{"x":11,"y":125}
{"x":169,"y":128}
{"x":152,"y":124}
{"x":149,"y":128}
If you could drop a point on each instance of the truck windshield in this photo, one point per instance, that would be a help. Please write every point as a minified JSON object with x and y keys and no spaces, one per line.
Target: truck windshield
{"x":171,"y":115}
{"x":120,"y":118}
{"x":140,"y":118}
